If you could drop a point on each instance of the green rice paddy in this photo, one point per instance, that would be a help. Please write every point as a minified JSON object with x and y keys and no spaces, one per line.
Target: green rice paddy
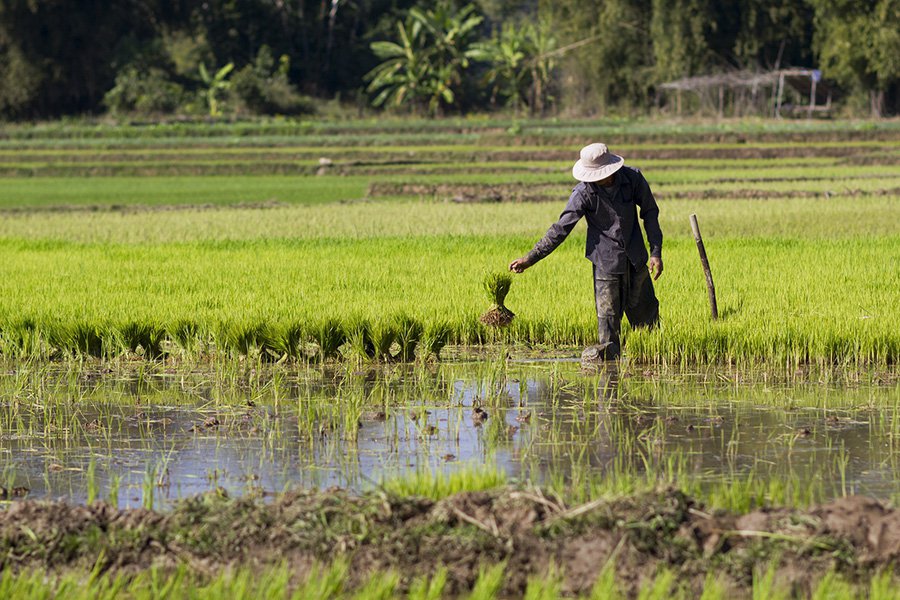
{"x":345,"y":239}
{"x":243,"y":310}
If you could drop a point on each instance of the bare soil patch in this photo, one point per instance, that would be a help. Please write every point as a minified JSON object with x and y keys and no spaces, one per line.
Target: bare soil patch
{"x":527,"y":528}
{"x":553,"y":192}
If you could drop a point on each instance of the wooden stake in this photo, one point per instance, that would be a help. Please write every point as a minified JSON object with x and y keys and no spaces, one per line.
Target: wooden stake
{"x":710,"y":287}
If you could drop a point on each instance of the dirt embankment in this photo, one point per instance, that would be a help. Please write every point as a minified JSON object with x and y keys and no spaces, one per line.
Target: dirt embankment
{"x":530,"y":192}
{"x":528,"y":529}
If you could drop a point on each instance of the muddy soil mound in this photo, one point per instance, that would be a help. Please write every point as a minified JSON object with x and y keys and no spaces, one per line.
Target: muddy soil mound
{"x":529,"y":529}
{"x":552,"y":192}
{"x":497,"y":316}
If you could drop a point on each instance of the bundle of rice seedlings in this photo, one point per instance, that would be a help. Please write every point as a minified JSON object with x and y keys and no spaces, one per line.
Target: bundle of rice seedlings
{"x":497,"y":287}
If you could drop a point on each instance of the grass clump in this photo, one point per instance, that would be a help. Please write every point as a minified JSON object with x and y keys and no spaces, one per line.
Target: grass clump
{"x":497,"y":287}
{"x":438,"y":485}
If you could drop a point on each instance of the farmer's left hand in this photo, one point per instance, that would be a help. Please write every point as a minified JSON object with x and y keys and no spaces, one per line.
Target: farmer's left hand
{"x":656,"y":267}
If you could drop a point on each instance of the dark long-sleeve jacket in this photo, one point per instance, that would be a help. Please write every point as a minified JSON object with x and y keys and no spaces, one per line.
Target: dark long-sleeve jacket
{"x":613,"y":235}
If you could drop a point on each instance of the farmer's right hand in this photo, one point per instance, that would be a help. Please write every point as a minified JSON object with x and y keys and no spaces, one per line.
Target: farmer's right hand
{"x":519,"y":265}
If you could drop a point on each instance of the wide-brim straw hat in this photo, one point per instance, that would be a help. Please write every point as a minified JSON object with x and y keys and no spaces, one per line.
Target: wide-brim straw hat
{"x":596,"y":163}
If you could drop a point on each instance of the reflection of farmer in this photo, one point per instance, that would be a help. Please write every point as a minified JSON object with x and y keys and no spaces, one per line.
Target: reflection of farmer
{"x":607,"y":197}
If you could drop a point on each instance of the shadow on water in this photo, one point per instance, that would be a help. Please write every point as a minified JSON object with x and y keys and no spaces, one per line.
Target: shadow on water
{"x":151,"y":438}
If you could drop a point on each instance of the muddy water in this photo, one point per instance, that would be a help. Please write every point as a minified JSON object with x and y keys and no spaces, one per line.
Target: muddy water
{"x":152,"y":438}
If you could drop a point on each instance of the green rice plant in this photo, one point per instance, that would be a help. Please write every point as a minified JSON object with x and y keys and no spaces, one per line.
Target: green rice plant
{"x":409,"y":335}
{"x":359,"y":339}
{"x":89,"y":339}
{"x":883,"y":587}
{"x":379,"y":586}
{"x":489,"y":583}
{"x":714,"y":588}
{"x":424,"y":588}
{"x":383,"y":335}
{"x":606,"y":588}
{"x":328,"y":335}
{"x":22,"y":338}
{"x":186,"y":333}
{"x":833,"y":587}
{"x":244,"y":339}
{"x":115,"y":482}
{"x":764,"y":585}
{"x":663,"y":587}
{"x":546,"y":586}
{"x":437,"y":484}
{"x":435,"y":337}
{"x":287,"y":340}
{"x":146,"y":338}
{"x":324,"y":581}
{"x":91,"y":476}
{"x":148,"y":487}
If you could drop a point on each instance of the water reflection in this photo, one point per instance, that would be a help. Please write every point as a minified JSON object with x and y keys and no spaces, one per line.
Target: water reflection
{"x":149,"y":439}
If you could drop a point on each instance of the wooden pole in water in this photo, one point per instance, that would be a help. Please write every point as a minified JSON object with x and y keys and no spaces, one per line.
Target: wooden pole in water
{"x":710,"y":287}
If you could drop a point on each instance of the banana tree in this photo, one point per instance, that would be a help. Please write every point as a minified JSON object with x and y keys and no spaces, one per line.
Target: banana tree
{"x":401,"y":77}
{"x":216,"y":84}
{"x":520,"y":62}
{"x":423,"y":67}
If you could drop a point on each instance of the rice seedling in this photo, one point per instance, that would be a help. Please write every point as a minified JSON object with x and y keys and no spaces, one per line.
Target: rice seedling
{"x":497,"y":285}
{"x":437,"y":484}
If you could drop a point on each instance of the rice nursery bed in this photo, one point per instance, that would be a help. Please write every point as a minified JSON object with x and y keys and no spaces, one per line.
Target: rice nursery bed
{"x":191,"y":285}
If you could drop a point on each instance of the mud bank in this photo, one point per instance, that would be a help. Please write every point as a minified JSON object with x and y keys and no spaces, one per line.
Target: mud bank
{"x":528,"y":529}
{"x":552,"y":192}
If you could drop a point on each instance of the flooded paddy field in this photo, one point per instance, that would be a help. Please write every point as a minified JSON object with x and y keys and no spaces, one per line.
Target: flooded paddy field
{"x":506,"y":476}
{"x":739,"y":439}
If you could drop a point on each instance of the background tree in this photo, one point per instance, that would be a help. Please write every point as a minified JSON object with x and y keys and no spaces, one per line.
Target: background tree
{"x":858,"y":44}
{"x":609,"y":56}
{"x":59,"y":57}
{"x":425,"y":65}
{"x":520,"y":62}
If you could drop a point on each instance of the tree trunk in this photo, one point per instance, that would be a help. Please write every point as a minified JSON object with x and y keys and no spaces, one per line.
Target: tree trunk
{"x":876,"y":100}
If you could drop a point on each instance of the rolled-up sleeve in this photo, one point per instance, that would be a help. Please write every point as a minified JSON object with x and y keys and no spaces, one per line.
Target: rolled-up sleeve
{"x":558,"y":232}
{"x":650,"y":215}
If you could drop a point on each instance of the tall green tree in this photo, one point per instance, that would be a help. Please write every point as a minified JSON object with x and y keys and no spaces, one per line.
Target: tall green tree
{"x":858,"y":45}
{"x":424,"y":66}
{"x":606,"y":55}
{"x":520,"y":61}
{"x":58,"y":57}
{"x":679,"y":30}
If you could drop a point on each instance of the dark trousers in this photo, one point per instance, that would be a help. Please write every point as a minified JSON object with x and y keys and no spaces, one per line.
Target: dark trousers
{"x":630,"y":292}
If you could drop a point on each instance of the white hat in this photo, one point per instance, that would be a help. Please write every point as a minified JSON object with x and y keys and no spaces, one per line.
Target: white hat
{"x":596,"y":163}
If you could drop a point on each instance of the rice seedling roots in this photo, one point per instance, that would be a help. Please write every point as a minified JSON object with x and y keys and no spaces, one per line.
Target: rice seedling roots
{"x":498,"y":316}
{"x":529,"y":529}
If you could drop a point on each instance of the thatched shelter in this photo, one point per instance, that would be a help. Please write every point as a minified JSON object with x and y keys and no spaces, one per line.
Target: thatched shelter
{"x":748,"y":92}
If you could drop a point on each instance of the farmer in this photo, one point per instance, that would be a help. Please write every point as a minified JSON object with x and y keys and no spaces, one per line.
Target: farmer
{"x":608,"y":197}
